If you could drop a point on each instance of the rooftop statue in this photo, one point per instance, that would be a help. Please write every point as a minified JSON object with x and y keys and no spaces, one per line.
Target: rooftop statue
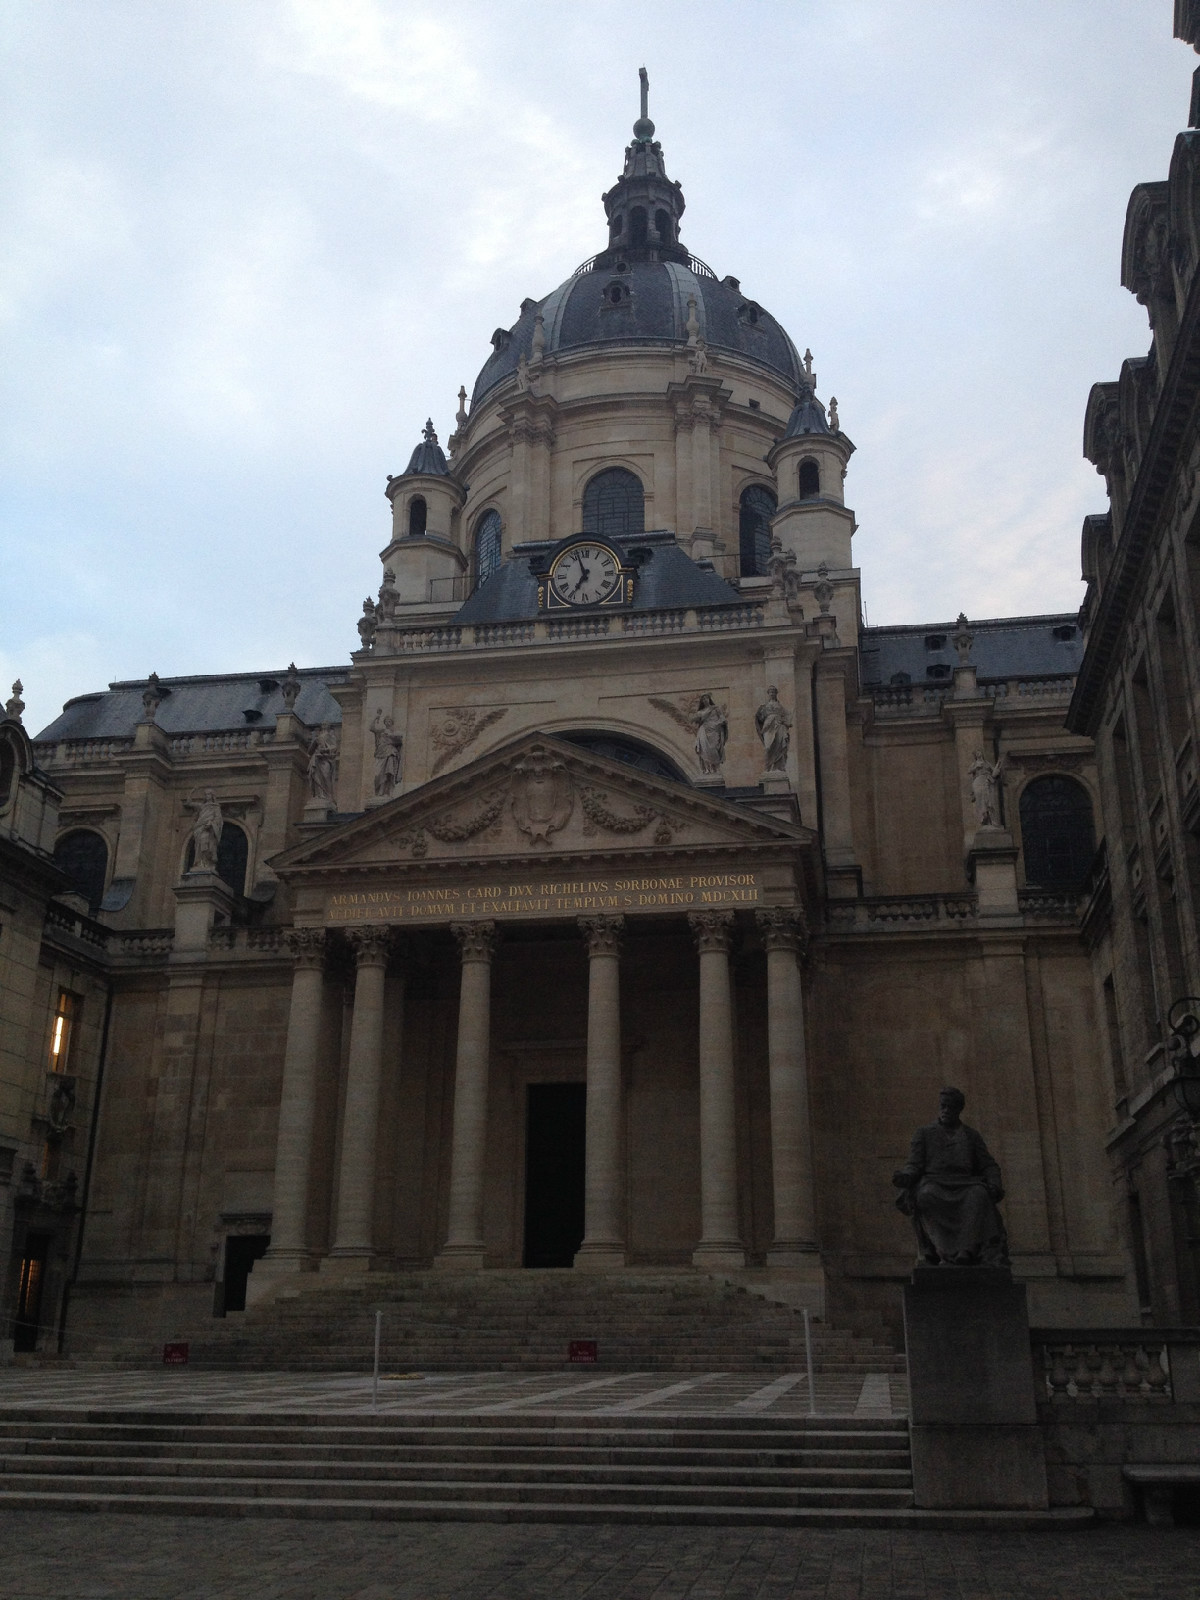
{"x":950,"y":1187}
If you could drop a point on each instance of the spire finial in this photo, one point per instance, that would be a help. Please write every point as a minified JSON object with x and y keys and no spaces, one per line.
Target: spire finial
{"x":643,"y":128}
{"x":427,"y":433}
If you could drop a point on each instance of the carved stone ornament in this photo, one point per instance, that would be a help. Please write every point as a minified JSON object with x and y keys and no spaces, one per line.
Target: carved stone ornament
{"x":290,"y":688}
{"x":457,"y":832}
{"x":367,"y":624}
{"x":323,"y":764}
{"x":712,"y":930}
{"x":542,"y":795}
{"x":388,"y":747}
{"x":783,"y":928}
{"x":707,"y":720}
{"x":457,"y":728}
{"x":602,"y":935}
{"x":477,"y":941}
{"x":306,"y":946}
{"x":14,"y":707}
{"x":153,"y":696}
{"x":962,"y":639}
{"x":206,"y":834}
{"x":984,"y":778}
{"x":371,"y":946}
{"x":773,"y":724}
{"x":823,"y":589}
{"x":600,"y":817}
{"x":1050,"y":763}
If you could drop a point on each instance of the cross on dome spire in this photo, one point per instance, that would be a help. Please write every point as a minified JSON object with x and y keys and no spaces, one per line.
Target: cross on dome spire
{"x":643,"y":128}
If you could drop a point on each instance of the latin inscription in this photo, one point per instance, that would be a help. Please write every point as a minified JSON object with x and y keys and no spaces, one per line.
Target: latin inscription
{"x":541,"y":898}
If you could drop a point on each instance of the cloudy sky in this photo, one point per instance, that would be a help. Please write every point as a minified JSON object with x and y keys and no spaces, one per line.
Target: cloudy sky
{"x":251,"y":244}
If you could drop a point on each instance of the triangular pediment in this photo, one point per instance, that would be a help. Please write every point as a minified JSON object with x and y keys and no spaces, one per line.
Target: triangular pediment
{"x":539,"y":799}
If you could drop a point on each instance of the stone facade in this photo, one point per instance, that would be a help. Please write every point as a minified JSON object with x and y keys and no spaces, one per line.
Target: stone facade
{"x":545,"y":827}
{"x":1138,"y":696}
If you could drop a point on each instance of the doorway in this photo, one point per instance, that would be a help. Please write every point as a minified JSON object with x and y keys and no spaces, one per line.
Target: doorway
{"x":29,"y":1291}
{"x":242,"y":1250}
{"x":554,"y":1154}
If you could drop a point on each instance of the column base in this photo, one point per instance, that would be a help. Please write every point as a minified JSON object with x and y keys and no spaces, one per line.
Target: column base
{"x":794,"y":1253}
{"x":349,"y":1263}
{"x":272,"y":1277}
{"x":719,"y":1255}
{"x":459,"y":1258}
{"x":600,"y":1257}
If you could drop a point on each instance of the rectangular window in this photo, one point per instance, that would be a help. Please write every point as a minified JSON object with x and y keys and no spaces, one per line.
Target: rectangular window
{"x":60,"y":1032}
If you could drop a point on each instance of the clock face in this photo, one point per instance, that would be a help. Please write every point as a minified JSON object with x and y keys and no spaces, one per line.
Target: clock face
{"x":585,"y":575}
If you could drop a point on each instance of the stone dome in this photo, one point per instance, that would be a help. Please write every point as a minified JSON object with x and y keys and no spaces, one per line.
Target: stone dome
{"x":631,"y":301}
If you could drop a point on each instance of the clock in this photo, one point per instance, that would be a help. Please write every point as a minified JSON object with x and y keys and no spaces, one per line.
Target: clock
{"x":586,"y":574}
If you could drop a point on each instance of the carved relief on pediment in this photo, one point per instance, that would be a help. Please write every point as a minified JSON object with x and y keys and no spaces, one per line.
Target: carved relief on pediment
{"x":542,"y":795}
{"x":455,"y":728}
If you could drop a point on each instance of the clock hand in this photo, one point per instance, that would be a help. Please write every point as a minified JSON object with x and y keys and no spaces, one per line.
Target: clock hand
{"x":584,"y":575}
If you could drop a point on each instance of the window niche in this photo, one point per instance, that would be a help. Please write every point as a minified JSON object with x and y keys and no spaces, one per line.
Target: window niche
{"x":487,"y":546}
{"x":809,"y":479}
{"x":233,"y":854}
{"x":418,"y":516}
{"x":755,"y":510}
{"x":614,"y":504}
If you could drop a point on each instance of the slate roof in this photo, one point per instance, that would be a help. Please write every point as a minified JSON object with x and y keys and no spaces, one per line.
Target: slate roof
{"x":199,"y":705}
{"x":656,"y":312}
{"x":428,"y":459}
{"x":667,"y":579}
{"x":808,"y":417}
{"x":1004,"y":647}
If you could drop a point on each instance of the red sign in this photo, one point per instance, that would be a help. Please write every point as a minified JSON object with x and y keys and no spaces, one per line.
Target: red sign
{"x":175,"y":1355}
{"x":580,"y":1350}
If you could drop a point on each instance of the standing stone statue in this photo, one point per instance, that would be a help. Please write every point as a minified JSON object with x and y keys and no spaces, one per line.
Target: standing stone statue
{"x":712,"y":730}
{"x":388,"y":744}
{"x":985,"y":790}
{"x":206,"y":834}
{"x":774,"y":724}
{"x":323,"y":764}
{"x":950,"y":1187}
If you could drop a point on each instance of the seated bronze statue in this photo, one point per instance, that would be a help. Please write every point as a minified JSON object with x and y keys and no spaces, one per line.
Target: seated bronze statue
{"x":950,"y":1187}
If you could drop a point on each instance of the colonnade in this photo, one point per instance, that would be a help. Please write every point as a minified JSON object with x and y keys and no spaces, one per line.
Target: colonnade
{"x":604,"y":1245}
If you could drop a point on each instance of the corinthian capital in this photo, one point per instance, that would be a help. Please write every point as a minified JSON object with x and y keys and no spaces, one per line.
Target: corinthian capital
{"x":712,"y":930}
{"x":371,"y":946}
{"x":477,"y":941}
{"x":306,"y":946}
{"x":602,"y":934}
{"x":783,"y":928}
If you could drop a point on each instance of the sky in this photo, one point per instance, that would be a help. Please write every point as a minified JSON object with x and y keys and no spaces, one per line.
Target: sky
{"x":252,"y":244}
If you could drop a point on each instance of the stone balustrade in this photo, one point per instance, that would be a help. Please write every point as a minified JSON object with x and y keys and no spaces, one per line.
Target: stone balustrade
{"x":901,"y":912}
{"x":1082,"y":1364}
{"x":927,"y":699}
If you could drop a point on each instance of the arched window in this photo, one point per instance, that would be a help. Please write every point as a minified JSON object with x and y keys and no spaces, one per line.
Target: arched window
{"x":614,"y":504}
{"x":83,"y":856}
{"x":416,"y":516}
{"x":615,"y":226}
{"x":662,"y":225}
{"x":810,"y":479}
{"x":619,"y":748}
{"x":233,"y":851}
{"x":487,"y":546}
{"x":639,"y":227}
{"x":1057,"y":833}
{"x":755,"y":511}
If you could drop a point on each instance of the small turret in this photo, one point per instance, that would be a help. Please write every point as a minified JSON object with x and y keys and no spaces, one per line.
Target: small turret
{"x":644,"y":206}
{"x":426,"y":502}
{"x":809,"y":463}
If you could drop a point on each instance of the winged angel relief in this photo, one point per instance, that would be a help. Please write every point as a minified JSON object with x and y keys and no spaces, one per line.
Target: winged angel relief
{"x":707,"y":720}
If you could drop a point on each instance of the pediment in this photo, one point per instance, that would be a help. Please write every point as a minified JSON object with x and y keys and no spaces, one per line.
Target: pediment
{"x":537,"y":799}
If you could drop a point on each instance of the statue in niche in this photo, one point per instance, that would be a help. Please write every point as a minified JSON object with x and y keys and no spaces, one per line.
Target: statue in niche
{"x":712,"y":730}
{"x":323,"y":764}
{"x":774,"y":724}
{"x":985,"y":790}
{"x":950,"y":1186}
{"x":388,"y":745}
{"x":206,"y":834}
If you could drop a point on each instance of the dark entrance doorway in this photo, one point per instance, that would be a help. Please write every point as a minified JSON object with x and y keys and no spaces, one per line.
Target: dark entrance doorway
{"x":242,"y":1250}
{"x":30,"y":1284}
{"x":554,"y":1145}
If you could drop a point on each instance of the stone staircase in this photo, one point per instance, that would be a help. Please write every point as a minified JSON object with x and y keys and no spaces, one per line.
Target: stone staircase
{"x":454,"y":1467}
{"x":679,"y":1321}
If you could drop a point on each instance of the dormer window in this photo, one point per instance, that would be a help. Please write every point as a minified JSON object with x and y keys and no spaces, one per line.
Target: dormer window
{"x":1065,"y":632}
{"x":616,"y":293}
{"x":749,"y":313}
{"x":501,"y":340}
{"x":937,"y":672}
{"x":935,"y":641}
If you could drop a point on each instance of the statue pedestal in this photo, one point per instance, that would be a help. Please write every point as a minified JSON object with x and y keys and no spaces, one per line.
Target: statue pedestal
{"x":992,"y":868}
{"x":976,"y":1441}
{"x":775,"y":782}
{"x":201,"y":898}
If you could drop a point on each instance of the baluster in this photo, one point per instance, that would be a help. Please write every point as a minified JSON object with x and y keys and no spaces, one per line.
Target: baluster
{"x":1158,"y":1374}
{"x":1058,"y":1377}
{"x":1091,"y":1363}
{"x":1109,"y":1378}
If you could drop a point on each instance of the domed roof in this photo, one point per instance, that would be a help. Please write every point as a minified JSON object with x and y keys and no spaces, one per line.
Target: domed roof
{"x":637,"y":291}
{"x":643,"y":302}
{"x":428,"y":459}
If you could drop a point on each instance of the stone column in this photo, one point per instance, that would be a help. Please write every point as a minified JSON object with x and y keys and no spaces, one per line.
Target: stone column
{"x":464,"y":1239}
{"x":603,"y":1241}
{"x":720,"y":1245}
{"x":289,"y":1250}
{"x":795,"y":1240}
{"x":354,"y":1241}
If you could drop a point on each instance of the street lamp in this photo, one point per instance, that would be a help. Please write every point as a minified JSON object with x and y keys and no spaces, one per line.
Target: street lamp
{"x":1183,"y":1047}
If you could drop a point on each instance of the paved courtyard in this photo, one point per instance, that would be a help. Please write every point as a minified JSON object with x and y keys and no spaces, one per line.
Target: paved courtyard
{"x":581,"y":1389}
{"x":57,"y":1556}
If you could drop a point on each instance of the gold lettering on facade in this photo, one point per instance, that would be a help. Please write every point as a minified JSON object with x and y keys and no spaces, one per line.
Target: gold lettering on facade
{"x":555,"y":898}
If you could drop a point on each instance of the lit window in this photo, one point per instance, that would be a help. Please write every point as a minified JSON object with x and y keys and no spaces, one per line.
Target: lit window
{"x":60,"y":1033}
